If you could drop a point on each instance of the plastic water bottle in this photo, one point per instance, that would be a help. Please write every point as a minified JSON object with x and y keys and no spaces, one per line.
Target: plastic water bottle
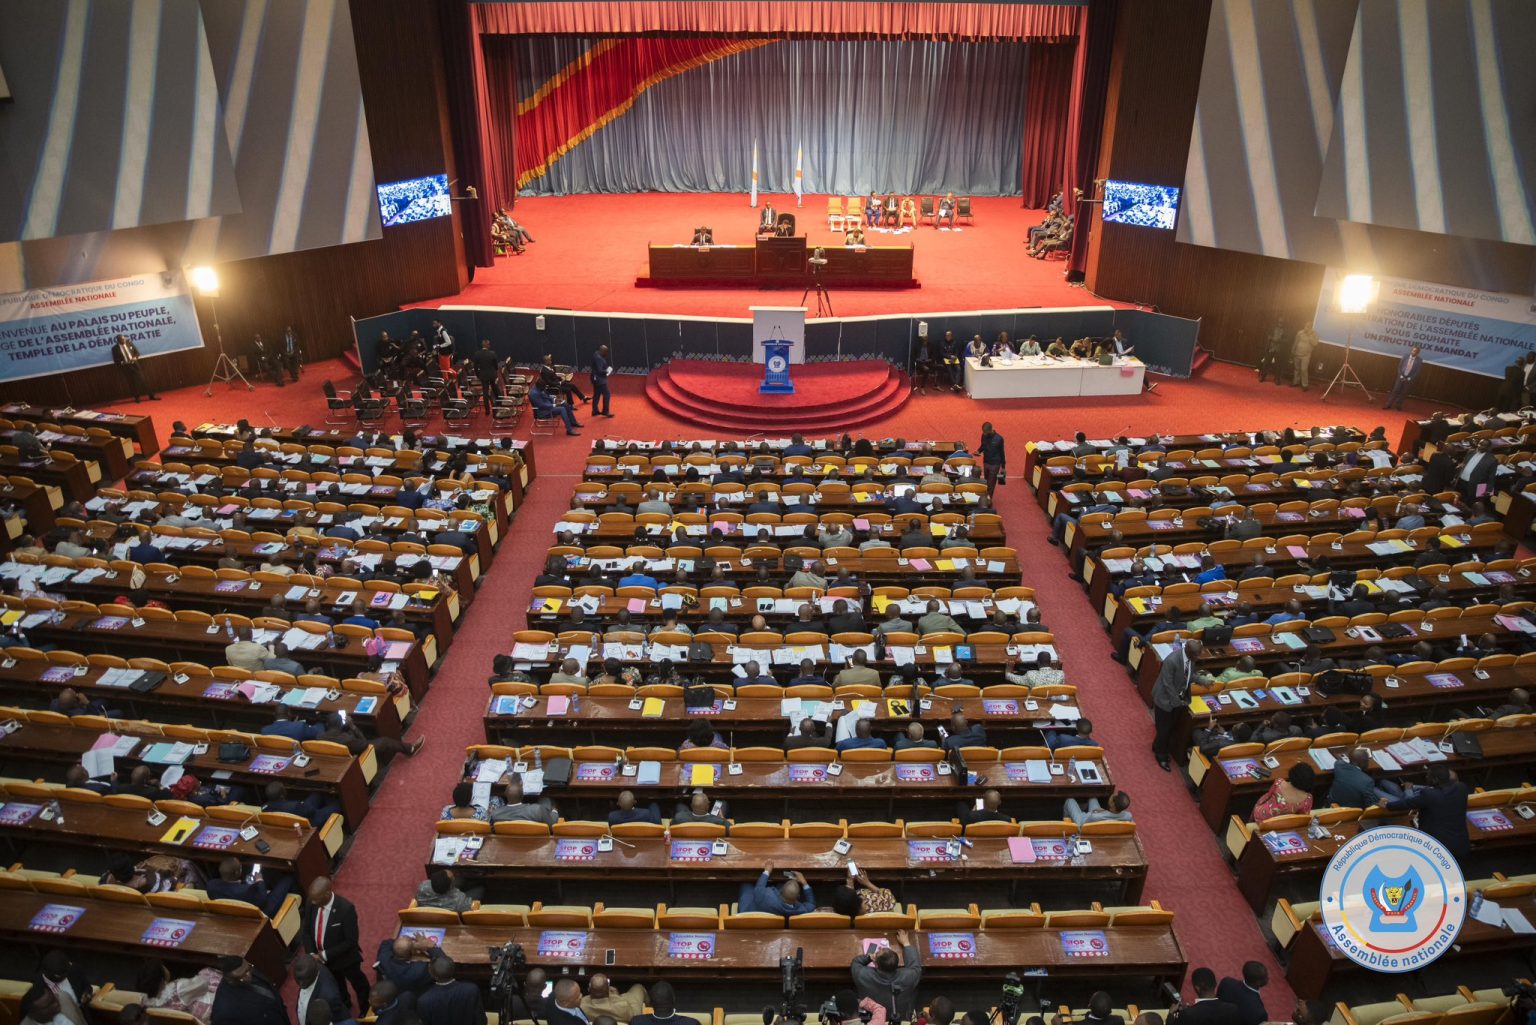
{"x":538,"y":760}
{"x":229,"y":629}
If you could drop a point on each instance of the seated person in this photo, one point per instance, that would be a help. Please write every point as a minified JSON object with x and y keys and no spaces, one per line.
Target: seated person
{"x":1029,"y":346}
{"x":1002,"y":347}
{"x":947,"y":208}
{"x":892,"y":210}
{"x":769,"y":219}
{"x":1081,"y":348}
{"x":854,"y":236}
{"x":1058,"y":348}
{"x":545,"y":408}
{"x":785,"y":228}
{"x":793,"y":897}
{"x":976,"y":347}
{"x":1055,"y":242}
{"x":703,"y":236}
{"x":863,"y":737}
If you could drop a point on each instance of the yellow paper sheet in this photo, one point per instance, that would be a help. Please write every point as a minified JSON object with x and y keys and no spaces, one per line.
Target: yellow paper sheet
{"x":701,"y":775}
{"x":1198,"y":706}
{"x":180,"y":830}
{"x":652,"y":708}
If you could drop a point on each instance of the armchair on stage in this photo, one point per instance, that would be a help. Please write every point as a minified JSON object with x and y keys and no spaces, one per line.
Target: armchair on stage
{"x":776,"y":369}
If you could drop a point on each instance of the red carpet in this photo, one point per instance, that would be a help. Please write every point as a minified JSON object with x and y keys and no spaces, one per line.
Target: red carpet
{"x":589,"y":249}
{"x":828,"y":398}
{"x":1187,"y":874}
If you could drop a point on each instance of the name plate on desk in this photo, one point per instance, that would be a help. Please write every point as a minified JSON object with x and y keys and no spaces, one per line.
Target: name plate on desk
{"x":1084,"y":944}
{"x":562,"y":944}
{"x":55,"y":918}
{"x":805,"y":772}
{"x":167,"y":932}
{"x":691,"y":946}
{"x":929,"y":850}
{"x":916,"y":772}
{"x":691,"y":850}
{"x":1285,"y":842}
{"x":1489,"y":820}
{"x":952,"y":946}
{"x":575,"y":850}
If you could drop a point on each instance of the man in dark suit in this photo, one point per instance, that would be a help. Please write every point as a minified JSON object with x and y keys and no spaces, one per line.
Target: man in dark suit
{"x":58,"y":974}
{"x":602,"y":398}
{"x":317,"y":986}
{"x":1438,"y":471}
{"x":328,"y":929}
{"x":126,"y":355}
{"x":391,"y":1006}
{"x":1442,"y":808}
{"x":564,"y":1007}
{"x":400,"y":961}
{"x":1170,"y":698}
{"x":1244,"y":995}
{"x":232,"y":884}
{"x":1407,"y":372}
{"x":245,"y":997}
{"x":1207,"y":1009}
{"x":485,"y":361}
{"x":449,"y":1001}
{"x":1475,"y":480}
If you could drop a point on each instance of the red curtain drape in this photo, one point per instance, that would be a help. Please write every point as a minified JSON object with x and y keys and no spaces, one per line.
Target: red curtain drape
{"x":1047,"y":112}
{"x":1028,"y":22}
{"x":496,"y":97}
{"x":1090,"y":86}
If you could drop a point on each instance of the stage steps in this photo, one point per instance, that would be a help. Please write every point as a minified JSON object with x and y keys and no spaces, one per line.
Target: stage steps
{"x":829,"y":397}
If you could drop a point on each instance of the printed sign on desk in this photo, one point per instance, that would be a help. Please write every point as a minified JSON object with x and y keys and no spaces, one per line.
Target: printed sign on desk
{"x":507,"y":704}
{"x":1283,"y":842}
{"x":807,"y":772}
{"x":167,"y":932}
{"x":55,"y":918}
{"x":17,"y":813}
{"x":562,"y":944}
{"x":916,"y":772}
{"x":270,"y":764}
{"x":575,"y":850}
{"x":216,"y":837}
{"x":595,"y":772}
{"x":928,"y":850}
{"x":691,"y":946}
{"x":1000,"y":706}
{"x":1444,"y":681}
{"x":713,"y":708}
{"x":1052,"y":849}
{"x":1236,"y":768}
{"x":1084,"y":944}
{"x":691,"y":850}
{"x":952,"y":946}
{"x":1489,"y":820}
{"x":426,"y":935}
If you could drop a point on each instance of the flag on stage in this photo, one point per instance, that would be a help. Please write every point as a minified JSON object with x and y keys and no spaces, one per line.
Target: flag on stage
{"x":799,"y":175}
{"x":754,"y":172}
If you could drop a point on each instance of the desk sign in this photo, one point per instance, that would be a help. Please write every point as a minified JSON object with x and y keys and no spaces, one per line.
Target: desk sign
{"x":167,"y":932}
{"x":1000,"y":706}
{"x":952,"y":946}
{"x":691,"y":946}
{"x":1283,"y":842}
{"x":1084,"y":944}
{"x":1237,"y":768}
{"x":425,"y":935}
{"x":270,"y":764}
{"x":1489,"y":820}
{"x":916,"y":772}
{"x":595,"y":772}
{"x":1444,"y":681}
{"x":1054,"y":849}
{"x":507,"y":704}
{"x":562,"y":944}
{"x":55,"y":918}
{"x":16,"y":813}
{"x":807,"y":772}
{"x":691,"y":850}
{"x":216,"y":837}
{"x":575,"y":850}
{"x":928,"y":850}
{"x":713,"y":708}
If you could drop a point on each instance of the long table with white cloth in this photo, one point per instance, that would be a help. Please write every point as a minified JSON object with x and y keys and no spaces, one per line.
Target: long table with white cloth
{"x":1049,"y":377}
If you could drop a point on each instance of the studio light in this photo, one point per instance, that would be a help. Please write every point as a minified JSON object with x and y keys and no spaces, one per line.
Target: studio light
{"x":204,"y":279}
{"x":1357,"y":293}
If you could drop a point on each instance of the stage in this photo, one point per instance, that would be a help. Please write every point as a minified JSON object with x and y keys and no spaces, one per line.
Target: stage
{"x":591,"y":249}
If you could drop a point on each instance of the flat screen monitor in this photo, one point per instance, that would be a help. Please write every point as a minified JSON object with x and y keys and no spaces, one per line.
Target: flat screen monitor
{"x":1150,"y":206}
{"x":416,"y":199}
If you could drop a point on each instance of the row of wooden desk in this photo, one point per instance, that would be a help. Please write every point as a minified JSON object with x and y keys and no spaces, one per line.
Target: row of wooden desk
{"x":768,"y":264}
{"x":112,"y":455}
{"x":138,"y":429}
{"x":75,"y":479}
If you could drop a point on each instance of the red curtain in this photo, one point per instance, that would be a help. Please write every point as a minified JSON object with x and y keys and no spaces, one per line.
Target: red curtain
{"x":1090,"y":87}
{"x":1048,"y":109}
{"x":496,"y":97}
{"x":1028,"y":22}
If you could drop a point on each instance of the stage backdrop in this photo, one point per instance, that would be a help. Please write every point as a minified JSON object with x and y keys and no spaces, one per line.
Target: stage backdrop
{"x":1462,"y":328}
{"x":55,"y":330}
{"x":682,"y":114}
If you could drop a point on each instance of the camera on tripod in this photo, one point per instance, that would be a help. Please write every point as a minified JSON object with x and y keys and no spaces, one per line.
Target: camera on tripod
{"x":831,"y":1012}
{"x":507,"y":964}
{"x":1011,"y":1001}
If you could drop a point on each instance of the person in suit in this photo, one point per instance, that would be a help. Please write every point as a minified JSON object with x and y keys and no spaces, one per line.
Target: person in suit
{"x":703,"y":236}
{"x":1207,"y":1008}
{"x":290,"y":352}
{"x":126,"y":355}
{"x":1407,"y":372}
{"x":328,"y":929}
{"x":1475,"y":478}
{"x":486,"y":366}
{"x":316,"y":985}
{"x":601,"y":396}
{"x":1170,"y":699}
{"x":947,"y":210}
{"x":390,"y":1005}
{"x":1438,"y":471}
{"x":564,"y":1007}
{"x":59,"y":976}
{"x":1101,"y":1010}
{"x":1244,"y":994}
{"x":1301,"y":356}
{"x":245,"y":997}
{"x":232,"y":884}
{"x":450,"y":1001}
{"x":545,"y":407}
{"x":1442,"y":808}
{"x":405,"y":961}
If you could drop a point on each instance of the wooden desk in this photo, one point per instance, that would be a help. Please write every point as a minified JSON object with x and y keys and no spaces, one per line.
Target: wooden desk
{"x":37,"y":504}
{"x":103,"y":829}
{"x":1035,"y":456}
{"x":1134,"y":952}
{"x":111,"y":454}
{"x":701,"y":265}
{"x":341,"y":779}
{"x":641,"y":533}
{"x":1221,"y":796}
{"x":683,"y":447}
{"x":869,"y":267}
{"x":1117,"y":865}
{"x":113,"y":928}
{"x":139,"y":429}
{"x":178,"y":641}
{"x":1315,"y":963}
{"x":754,"y":721}
{"x":877,"y":572}
{"x":1094,"y":536}
{"x":23,"y":685}
{"x":1260,"y":871}
{"x":73,"y":479}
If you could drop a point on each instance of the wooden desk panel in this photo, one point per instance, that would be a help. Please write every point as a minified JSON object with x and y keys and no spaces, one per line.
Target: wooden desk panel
{"x":141,"y":429}
{"x":697,"y":265}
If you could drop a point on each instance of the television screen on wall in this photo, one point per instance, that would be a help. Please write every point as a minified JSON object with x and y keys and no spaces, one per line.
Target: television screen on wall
{"x":416,"y":199}
{"x":1150,"y":206}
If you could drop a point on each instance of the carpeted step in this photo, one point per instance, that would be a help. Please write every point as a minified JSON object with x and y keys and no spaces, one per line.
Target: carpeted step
{"x":829,"y":397}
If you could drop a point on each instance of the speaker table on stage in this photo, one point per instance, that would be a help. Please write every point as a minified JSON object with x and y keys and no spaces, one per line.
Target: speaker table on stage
{"x":776,"y":379}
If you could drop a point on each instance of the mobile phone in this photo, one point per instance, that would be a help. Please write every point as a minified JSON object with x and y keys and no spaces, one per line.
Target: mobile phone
{"x":263,"y":846}
{"x":978,"y":804}
{"x":610,"y":957}
{"x":312,"y":772}
{"x":853,"y":869}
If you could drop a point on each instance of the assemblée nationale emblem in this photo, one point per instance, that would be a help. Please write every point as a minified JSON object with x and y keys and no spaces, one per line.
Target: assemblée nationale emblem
{"x":1393,"y":899}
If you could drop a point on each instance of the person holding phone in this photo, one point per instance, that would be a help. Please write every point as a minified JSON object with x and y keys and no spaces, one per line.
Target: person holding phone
{"x":859,"y":896}
{"x":888,"y":979}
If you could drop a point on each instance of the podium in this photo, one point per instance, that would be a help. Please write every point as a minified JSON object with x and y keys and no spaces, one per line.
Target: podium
{"x":776,"y":369}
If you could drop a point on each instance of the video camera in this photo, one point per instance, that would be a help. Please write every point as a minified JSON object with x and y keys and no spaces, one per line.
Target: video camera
{"x":1009,"y":1004}
{"x":830,"y":1013}
{"x":507,"y":964}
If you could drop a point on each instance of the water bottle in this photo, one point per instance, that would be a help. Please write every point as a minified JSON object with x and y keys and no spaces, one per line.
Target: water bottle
{"x":538,"y":760}
{"x":575,"y":704}
{"x":229,"y":629}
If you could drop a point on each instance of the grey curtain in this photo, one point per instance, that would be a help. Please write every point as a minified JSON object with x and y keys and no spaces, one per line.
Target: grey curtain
{"x":902,"y":116}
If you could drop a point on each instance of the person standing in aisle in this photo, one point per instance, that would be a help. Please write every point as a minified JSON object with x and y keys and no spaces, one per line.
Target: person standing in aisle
{"x":126,"y":355}
{"x":993,"y":463}
{"x":601,"y":368}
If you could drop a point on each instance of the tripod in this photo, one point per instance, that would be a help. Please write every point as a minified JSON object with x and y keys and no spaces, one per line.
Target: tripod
{"x":1346,"y":374}
{"x":823,"y":300}
{"x":224,"y":368}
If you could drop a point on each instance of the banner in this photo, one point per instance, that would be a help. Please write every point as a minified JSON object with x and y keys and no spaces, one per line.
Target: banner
{"x":54,"y":330}
{"x":1479,"y":332}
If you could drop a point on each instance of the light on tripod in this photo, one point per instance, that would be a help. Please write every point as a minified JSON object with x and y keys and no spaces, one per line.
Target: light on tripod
{"x":205,"y":280}
{"x":1357,"y":293}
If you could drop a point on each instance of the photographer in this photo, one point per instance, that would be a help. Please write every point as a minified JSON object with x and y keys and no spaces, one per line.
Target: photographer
{"x":890,"y":981}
